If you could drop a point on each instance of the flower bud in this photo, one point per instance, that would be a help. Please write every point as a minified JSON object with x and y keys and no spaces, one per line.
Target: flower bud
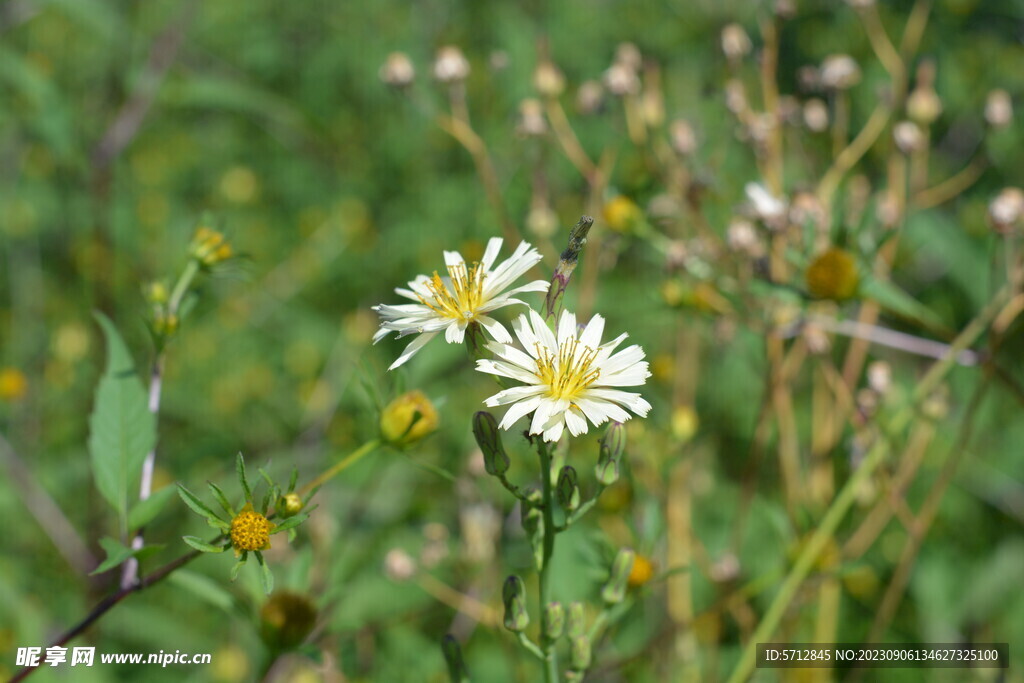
{"x":397,"y":70}
{"x":576,"y":620}
{"x":156,"y":293}
{"x":452,"y":652}
{"x":833,"y":275}
{"x":613,"y":443}
{"x":407,"y":419}
{"x":684,"y":141}
{"x":568,"y":489}
{"x":924,"y":105}
{"x":399,"y":565}
{"x":642,"y":571}
{"x":286,"y":619}
{"x":554,"y":620}
{"x":615,"y":590}
{"x":589,"y":97}
{"x":621,"y":80}
{"x":513,"y":595}
{"x":998,"y":109}
{"x":451,"y":66}
{"x":579,"y":653}
{"x":548,"y":80}
{"x":488,"y":438}
{"x":209,"y":247}
{"x":289,"y":505}
{"x":622,"y":214}
{"x":13,"y":384}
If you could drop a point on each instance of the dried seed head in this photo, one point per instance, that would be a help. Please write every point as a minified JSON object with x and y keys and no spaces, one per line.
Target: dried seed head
{"x":924,"y":105}
{"x":743,"y":237}
{"x":908,"y":137}
{"x":621,"y":80}
{"x":548,"y":79}
{"x":998,"y":109}
{"x":833,"y":275}
{"x":809,"y":78}
{"x":684,"y":142}
{"x":735,"y":96}
{"x":887,"y":210}
{"x":815,"y":115}
{"x":628,"y":55}
{"x":839,"y":72}
{"x":397,"y":70}
{"x":880,"y":376}
{"x":399,"y":565}
{"x":589,"y":97}
{"x":451,"y":66}
{"x":735,"y":42}
{"x":531,"y":118}
{"x":1006,"y":209}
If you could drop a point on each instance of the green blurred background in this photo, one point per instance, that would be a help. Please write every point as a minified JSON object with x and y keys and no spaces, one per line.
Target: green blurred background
{"x":271,"y":117}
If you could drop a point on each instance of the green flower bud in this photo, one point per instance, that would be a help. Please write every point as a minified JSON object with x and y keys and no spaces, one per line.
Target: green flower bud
{"x":576,"y":620}
{"x":488,"y":438}
{"x":289,"y":505}
{"x":452,"y":651}
{"x":554,"y":620}
{"x":559,"y":454}
{"x":579,"y":653}
{"x":615,"y":590}
{"x":612,"y":446}
{"x":513,"y":594}
{"x":568,"y":489}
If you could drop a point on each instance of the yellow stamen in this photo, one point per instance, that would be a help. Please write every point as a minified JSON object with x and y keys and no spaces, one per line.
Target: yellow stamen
{"x":467,"y":297}
{"x":568,"y":374}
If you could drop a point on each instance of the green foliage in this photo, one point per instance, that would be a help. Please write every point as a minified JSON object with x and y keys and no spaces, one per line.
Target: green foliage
{"x":121,"y":428}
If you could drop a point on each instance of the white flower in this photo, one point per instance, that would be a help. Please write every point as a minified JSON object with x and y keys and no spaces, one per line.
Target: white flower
{"x":466,"y":296}
{"x":566,"y":377}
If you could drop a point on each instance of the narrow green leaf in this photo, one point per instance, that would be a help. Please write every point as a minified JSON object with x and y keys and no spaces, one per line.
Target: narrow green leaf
{"x":266,"y":574}
{"x":198,"y":506}
{"x":294,"y":479}
{"x":145,"y":511}
{"x":895,"y":300}
{"x":204,"y":588}
{"x":201,"y":545}
{"x":266,"y":477}
{"x":240,"y":467}
{"x":117,"y":553}
{"x":222,"y":499}
{"x":290,"y":523}
{"x":238,"y":566}
{"x":121,"y":428}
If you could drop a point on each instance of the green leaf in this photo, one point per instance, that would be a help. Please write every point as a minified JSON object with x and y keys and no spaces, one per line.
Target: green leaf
{"x":121,"y":428}
{"x":203,"y":587}
{"x":290,"y":523}
{"x":895,"y":300}
{"x":117,"y":553}
{"x":145,"y":511}
{"x":266,"y":574}
{"x":240,"y":467}
{"x":201,"y":545}
{"x":238,"y":565}
{"x":198,"y":506}
{"x":222,"y":499}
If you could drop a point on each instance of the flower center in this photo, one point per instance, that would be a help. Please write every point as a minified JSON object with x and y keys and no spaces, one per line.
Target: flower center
{"x":250,"y":531}
{"x":568,"y":373}
{"x":467,"y":297}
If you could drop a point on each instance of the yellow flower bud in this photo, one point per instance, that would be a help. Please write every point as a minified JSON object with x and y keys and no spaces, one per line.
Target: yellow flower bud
{"x":622,"y":214}
{"x":642,"y":571}
{"x":13,"y":384}
{"x":209,"y":247}
{"x":408,"y":418}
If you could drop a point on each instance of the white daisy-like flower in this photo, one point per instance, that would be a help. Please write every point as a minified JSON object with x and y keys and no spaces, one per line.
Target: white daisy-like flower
{"x":567,"y":378}
{"x":467,"y":295}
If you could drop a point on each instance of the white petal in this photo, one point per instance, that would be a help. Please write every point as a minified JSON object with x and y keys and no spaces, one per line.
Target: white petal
{"x":575,"y":421}
{"x":518,"y":410}
{"x":634,"y":402}
{"x":455,"y":332}
{"x":543,"y":333}
{"x":599,"y":412}
{"x":553,"y":431}
{"x":521,"y":326}
{"x":491,"y":253}
{"x":495,"y":329}
{"x":414,"y":346}
{"x":566,"y":327}
{"x":591,"y":335}
{"x":453,"y":258}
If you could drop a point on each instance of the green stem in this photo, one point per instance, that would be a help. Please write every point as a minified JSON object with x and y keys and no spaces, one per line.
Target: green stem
{"x":348,"y":461}
{"x":550,"y":653}
{"x":182,"y":285}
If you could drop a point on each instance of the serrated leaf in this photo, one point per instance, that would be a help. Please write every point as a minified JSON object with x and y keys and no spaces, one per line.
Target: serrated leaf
{"x":117,"y":553}
{"x":145,"y":511}
{"x":242,"y":481}
{"x":201,"y":545}
{"x":121,"y":428}
{"x":198,"y":506}
{"x":266,"y":575}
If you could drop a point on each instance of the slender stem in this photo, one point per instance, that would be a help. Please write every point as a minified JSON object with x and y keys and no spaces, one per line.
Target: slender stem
{"x":346,"y":462}
{"x":109,"y":602}
{"x":130,"y":571}
{"x":844,"y":500}
{"x":550,"y":654}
